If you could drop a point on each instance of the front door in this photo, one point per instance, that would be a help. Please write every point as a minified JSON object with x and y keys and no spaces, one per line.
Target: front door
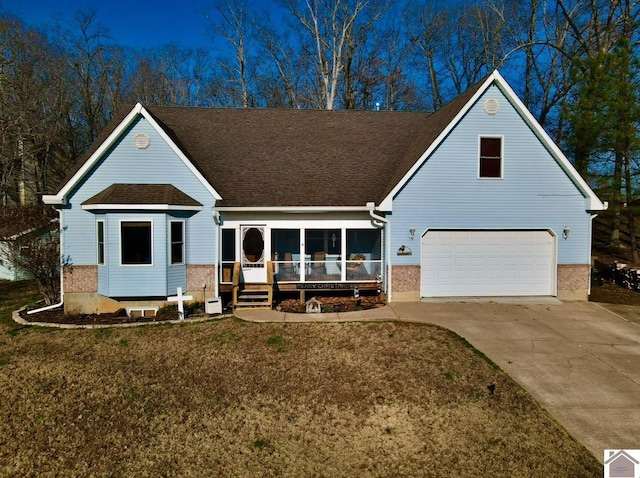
{"x":253,"y":251}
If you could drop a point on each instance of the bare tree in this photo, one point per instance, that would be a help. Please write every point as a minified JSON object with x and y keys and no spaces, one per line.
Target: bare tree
{"x":426,"y":25}
{"x":91,"y":65}
{"x":538,"y":55}
{"x":169,"y":75}
{"x":232,"y":22}
{"x":330,"y":26}
{"x":280,"y":79}
{"x":35,"y":248}
{"x":34,"y":102}
{"x":455,"y":43}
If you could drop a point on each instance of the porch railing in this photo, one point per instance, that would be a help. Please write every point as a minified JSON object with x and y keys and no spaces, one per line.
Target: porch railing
{"x":317,"y":271}
{"x":328,"y":271}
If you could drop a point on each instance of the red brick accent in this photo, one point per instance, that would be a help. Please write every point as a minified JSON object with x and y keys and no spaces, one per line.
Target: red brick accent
{"x":405,"y":278}
{"x":80,"y":279}
{"x":198,"y":274}
{"x":574,"y":276}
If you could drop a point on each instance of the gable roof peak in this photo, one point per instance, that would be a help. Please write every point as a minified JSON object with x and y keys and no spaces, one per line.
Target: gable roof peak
{"x":454,"y":111}
{"x":101,"y":146}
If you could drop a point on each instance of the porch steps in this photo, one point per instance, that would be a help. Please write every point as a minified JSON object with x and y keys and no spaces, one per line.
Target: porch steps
{"x":252,"y":297}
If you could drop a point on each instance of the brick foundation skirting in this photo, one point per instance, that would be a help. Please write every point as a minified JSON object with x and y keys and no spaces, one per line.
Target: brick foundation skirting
{"x":405,"y":278}
{"x":198,"y":274}
{"x":574,"y":276}
{"x":82,"y":279}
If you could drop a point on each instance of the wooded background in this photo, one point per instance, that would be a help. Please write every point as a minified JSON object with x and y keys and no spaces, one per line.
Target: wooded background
{"x":574,"y":63}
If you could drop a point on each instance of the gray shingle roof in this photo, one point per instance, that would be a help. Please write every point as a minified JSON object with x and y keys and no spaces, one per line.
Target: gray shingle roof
{"x":281,"y":157}
{"x":142,"y":194}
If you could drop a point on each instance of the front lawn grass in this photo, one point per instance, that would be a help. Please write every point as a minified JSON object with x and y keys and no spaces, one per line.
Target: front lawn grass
{"x":228,"y":398}
{"x":13,"y":296}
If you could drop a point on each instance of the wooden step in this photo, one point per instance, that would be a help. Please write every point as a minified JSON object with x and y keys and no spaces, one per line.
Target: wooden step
{"x":252,"y":305}
{"x":254,"y":293}
{"x":253,"y":296}
{"x":261,"y":296}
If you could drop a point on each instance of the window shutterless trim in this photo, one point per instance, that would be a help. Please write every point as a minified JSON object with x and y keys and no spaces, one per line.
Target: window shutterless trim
{"x":100,"y":244}
{"x":150,"y":221}
{"x":172,"y":242}
{"x":501,"y":158}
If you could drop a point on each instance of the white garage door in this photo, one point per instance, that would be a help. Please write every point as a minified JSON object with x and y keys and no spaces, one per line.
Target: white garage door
{"x":472,"y":263}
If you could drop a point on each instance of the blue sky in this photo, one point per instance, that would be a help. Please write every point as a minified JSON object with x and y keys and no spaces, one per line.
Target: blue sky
{"x":141,"y":24}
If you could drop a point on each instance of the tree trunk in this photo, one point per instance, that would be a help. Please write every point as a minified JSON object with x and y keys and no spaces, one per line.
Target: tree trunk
{"x":616,"y":199}
{"x":630,"y":210}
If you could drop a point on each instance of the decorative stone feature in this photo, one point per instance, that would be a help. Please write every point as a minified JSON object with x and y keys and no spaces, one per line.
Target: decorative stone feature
{"x":80,"y":279}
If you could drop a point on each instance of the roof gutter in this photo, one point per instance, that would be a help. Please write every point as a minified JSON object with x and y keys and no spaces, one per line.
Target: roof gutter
{"x":54,"y":200}
{"x":145,"y":207}
{"x":53,"y":306}
{"x":290,"y":209}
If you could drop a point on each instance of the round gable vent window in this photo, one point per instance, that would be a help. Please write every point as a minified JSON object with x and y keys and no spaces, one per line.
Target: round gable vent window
{"x":491,"y":106}
{"x":141,"y":141}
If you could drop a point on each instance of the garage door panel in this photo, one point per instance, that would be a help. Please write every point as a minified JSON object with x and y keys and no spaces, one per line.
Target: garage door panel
{"x":446,"y":248}
{"x":487,"y":263}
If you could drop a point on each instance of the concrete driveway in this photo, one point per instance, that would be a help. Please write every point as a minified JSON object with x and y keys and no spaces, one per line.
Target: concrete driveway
{"x":579,"y":360}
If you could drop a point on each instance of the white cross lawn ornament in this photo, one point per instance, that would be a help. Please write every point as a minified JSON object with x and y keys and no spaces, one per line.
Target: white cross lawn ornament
{"x":179,"y":298}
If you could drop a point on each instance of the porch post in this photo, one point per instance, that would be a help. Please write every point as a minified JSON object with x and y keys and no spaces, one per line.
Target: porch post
{"x":343,"y":254}
{"x":302,"y":256}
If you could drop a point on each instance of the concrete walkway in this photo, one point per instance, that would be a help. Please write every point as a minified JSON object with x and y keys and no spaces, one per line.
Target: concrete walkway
{"x":579,"y":360}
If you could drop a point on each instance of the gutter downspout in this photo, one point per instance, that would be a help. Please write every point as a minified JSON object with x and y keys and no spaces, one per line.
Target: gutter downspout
{"x":593,"y":216}
{"x":383,"y":222}
{"x":217,"y":219}
{"x":53,"y":306}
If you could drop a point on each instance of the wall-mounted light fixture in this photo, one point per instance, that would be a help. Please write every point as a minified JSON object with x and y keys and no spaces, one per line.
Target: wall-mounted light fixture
{"x":412,"y":232}
{"x":565,"y":233}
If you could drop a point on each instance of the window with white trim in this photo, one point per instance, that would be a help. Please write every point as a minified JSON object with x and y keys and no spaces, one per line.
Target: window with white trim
{"x":100,"y":241}
{"x":490,"y":165}
{"x":176,"y":234}
{"x":135,"y":243}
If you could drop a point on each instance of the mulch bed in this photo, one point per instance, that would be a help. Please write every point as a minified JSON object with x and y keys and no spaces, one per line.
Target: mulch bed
{"x":329,"y":304}
{"x":58,"y":316}
{"x":333,"y":304}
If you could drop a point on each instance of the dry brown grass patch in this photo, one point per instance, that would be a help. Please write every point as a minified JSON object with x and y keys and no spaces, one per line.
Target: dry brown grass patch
{"x":229,"y":398}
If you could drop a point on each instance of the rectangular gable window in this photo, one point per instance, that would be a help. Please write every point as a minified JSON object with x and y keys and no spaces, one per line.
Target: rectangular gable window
{"x":135,"y":243}
{"x":100,"y":237}
{"x":490,"y":158}
{"x":177,"y":242}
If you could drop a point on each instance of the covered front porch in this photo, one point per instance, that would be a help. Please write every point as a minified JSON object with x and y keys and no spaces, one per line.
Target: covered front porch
{"x":302,"y":259}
